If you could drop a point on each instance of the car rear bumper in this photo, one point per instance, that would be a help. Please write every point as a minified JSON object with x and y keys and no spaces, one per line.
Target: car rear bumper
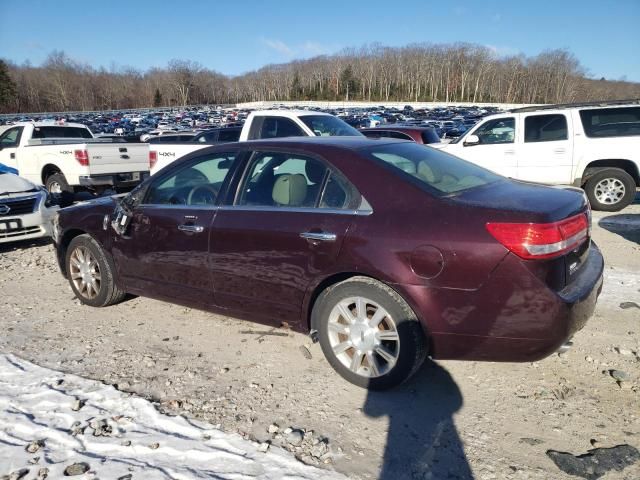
{"x":127,"y":179}
{"x":513,"y":317}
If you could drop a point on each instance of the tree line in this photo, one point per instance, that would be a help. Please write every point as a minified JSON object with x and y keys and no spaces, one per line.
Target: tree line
{"x":424,"y":72}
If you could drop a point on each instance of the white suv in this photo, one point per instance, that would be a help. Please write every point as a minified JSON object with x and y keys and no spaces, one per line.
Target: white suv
{"x":593,"y":146}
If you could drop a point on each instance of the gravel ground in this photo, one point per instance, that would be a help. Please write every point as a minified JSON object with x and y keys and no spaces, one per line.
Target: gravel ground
{"x":453,"y":420}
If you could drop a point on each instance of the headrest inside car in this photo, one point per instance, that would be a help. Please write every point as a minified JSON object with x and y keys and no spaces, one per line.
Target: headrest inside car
{"x":290,"y":190}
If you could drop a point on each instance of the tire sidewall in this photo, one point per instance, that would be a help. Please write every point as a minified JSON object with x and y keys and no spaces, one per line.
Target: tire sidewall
{"x":60,"y":179}
{"x":105,"y":270}
{"x":619,"y":174}
{"x":412,"y":341}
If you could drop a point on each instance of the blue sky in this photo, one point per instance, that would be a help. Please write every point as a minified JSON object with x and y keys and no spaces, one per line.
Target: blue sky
{"x":233,"y":37}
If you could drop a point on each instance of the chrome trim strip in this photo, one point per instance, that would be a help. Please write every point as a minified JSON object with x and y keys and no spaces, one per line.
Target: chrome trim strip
{"x":191,"y":228}
{"x":331,"y":211}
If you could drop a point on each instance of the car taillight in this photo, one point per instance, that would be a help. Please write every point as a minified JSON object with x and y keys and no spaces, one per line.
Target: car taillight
{"x":541,"y":240}
{"x":82,"y":157}
{"x":153,"y":158}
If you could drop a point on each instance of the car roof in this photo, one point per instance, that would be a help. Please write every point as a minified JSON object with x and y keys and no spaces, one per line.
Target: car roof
{"x":417,"y":128}
{"x":347,"y":142}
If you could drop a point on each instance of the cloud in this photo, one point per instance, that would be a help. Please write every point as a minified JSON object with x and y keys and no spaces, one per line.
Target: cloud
{"x":503,"y":51}
{"x":278,"y":46}
{"x":306,"y":49}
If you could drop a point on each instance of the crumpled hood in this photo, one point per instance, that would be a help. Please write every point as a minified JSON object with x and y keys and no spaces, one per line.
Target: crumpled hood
{"x":10,"y":183}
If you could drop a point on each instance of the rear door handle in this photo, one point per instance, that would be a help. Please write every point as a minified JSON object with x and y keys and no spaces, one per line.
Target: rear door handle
{"x":191,"y":228}
{"x":319,"y":236}
{"x":509,"y":152}
{"x":12,"y":156}
{"x":559,"y":150}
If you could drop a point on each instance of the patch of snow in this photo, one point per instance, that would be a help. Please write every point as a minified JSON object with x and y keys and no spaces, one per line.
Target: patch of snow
{"x":117,"y":434}
{"x":620,"y":286}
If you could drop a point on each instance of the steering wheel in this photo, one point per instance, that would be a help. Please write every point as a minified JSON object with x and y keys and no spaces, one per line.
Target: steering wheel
{"x":208,"y":200}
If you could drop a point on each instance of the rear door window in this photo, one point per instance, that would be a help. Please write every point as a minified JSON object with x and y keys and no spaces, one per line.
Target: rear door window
{"x":61,"y":132}
{"x":274,"y":127}
{"x":611,"y":122}
{"x":545,"y":128}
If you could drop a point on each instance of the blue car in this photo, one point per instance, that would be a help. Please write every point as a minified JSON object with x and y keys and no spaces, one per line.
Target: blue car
{"x":6,"y":169}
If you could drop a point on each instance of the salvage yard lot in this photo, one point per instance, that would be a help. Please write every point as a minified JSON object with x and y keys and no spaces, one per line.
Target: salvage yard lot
{"x":486,"y":420}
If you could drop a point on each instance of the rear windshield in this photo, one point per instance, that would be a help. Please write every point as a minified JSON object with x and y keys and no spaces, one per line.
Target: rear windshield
{"x":430,"y":136}
{"x":61,"y":132}
{"x":329,"y":126}
{"x":611,"y":122}
{"x":441,"y":172}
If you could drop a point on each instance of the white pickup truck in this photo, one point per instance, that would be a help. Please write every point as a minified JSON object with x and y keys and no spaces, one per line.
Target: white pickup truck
{"x":67,"y":157}
{"x":593,"y":146}
{"x":259,"y":124}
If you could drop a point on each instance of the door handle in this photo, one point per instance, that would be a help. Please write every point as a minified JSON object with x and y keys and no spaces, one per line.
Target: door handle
{"x":319,"y":236}
{"x":12,"y":156}
{"x":559,"y":150}
{"x":191,"y":228}
{"x":509,"y":152}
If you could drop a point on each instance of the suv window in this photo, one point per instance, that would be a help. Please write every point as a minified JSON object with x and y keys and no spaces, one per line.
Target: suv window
{"x":205,"y":137}
{"x":274,"y":127}
{"x":61,"y":132}
{"x":11,"y":137}
{"x":197,"y":183}
{"x":611,"y":122}
{"x":329,"y":126}
{"x":500,"y":130}
{"x":545,"y":128}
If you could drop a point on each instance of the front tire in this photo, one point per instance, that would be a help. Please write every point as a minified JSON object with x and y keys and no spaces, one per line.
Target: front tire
{"x":91,"y":273}
{"x":610,"y":190}
{"x":368,"y":333}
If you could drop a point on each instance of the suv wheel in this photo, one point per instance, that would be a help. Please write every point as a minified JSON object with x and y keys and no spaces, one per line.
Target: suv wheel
{"x":91,"y":273}
{"x":610,"y":190}
{"x":368,"y":333}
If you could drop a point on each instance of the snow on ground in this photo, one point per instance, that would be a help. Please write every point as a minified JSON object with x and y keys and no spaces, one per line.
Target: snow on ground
{"x":620,"y":286}
{"x":52,"y":420}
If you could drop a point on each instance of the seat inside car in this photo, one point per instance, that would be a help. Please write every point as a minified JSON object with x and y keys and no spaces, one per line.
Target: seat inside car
{"x":290,"y":190}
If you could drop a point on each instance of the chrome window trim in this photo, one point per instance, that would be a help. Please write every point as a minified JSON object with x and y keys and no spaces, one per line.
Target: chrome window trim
{"x":264,"y":208}
{"x":171,"y":206}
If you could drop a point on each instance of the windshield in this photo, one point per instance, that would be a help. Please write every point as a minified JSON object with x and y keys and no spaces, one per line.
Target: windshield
{"x":441,"y":172}
{"x":329,"y":126}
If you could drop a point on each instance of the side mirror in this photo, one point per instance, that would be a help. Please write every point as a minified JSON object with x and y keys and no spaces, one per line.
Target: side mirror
{"x":471,"y":140}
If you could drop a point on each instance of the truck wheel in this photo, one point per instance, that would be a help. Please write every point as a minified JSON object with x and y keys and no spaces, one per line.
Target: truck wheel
{"x":610,"y":190}
{"x":91,"y":273}
{"x":56,"y":183}
{"x":368,"y":333}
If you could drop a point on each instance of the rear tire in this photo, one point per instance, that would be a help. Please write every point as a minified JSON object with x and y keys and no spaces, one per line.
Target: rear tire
{"x":368,"y":333}
{"x":91,"y":273}
{"x":610,"y":190}
{"x":57,"y":184}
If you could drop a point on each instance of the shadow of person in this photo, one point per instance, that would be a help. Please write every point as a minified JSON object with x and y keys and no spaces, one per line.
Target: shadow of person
{"x":422,"y":441}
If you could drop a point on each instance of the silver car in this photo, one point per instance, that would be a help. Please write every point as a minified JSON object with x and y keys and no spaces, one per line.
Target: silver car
{"x":26,"y":211}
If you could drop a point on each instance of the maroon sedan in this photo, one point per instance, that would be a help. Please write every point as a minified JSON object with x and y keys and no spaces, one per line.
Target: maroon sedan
{"x":422,"y":135}
{"x":382,"y":250}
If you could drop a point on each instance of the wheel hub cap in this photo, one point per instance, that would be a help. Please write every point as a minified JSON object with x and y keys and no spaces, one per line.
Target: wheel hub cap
{"x":609,"y":191}
{"x":363,"y":337}
{"x":85,"y":273}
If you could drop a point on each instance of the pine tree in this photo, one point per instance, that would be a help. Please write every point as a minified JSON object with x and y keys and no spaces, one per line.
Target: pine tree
{"x":8,"y":89}
{"x":157,"y":98}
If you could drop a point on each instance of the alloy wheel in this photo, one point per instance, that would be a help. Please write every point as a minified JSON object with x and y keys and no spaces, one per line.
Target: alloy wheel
{"x":85,"y":272}
{"x":609,"y":191}
{"x":363,"y":337}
